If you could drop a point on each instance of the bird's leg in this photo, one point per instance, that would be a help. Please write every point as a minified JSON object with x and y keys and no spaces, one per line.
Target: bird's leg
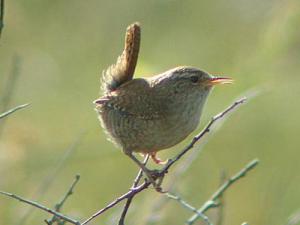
{"x":146,"y":171}
{"x":157,"y":160}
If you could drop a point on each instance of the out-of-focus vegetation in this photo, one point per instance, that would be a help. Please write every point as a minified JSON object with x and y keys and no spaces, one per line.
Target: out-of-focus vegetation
{"x":64,"y":45}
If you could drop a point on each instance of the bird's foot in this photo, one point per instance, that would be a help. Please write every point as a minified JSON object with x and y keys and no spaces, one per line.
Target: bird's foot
{"x":156,"y":179}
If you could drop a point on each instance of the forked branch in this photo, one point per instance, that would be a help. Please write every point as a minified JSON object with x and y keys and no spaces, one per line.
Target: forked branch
{"x":131,"y":193}
{"x":137,"y":188}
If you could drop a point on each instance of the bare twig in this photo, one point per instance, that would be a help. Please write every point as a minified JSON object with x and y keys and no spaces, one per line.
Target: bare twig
{"x":127,"y":195}
{"x":134,"y":191}
{"x":59,"y":205}
{"x":134,"y":185}
{"x":13,"y":110}
{"x":1,"y":16}
{"x":46,"y":184}
{"x":181,"y":169}
{"x":42,"y":207}
{"x":202,"y":133}
{"x":186,"y":162}
{"x":70,"y":192}
{"x":171,"y":162}
{"x":212,"y":200}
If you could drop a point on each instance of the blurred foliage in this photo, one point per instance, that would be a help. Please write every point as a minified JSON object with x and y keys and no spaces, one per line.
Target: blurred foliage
{"x":64,"y":45}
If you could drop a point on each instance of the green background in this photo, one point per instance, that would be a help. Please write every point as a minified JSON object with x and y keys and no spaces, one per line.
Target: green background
{"x":62,"y":47}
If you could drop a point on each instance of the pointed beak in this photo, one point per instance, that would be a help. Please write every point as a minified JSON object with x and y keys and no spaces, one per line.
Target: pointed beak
{"x":220,"y":80}
{"x":100,"y":101}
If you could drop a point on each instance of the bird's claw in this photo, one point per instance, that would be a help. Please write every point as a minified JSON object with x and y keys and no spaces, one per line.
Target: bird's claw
{"x":157,"y":177}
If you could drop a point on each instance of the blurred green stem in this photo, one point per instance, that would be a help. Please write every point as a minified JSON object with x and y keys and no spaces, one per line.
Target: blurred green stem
{"x":189,"y":207}
{"x":1,"y":16}
{"x":59,"y":205}
{"x":5,"y":114}
{"x":10,"y":86}
{"x":46,"y":184}
{"x":212,"y":201}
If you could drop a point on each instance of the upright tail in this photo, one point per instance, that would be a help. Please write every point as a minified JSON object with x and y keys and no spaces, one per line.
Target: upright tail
{"x":123,"y":70}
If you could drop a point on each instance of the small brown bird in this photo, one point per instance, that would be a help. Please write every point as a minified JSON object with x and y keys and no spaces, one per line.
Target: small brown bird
{"x":147,"y":115}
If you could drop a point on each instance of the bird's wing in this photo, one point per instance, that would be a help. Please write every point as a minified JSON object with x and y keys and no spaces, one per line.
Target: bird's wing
{"x":123,"y":70}
{"x":133,"y":98}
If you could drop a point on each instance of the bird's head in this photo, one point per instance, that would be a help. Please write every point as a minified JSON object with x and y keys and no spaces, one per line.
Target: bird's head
{"x":187,"y":81}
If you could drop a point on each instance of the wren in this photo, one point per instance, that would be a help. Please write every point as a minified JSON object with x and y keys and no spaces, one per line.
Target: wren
{"x":146,"y":115}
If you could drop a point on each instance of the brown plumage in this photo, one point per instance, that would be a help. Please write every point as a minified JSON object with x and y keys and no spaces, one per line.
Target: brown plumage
{"x":123,"y":70}
{"x":150,"y":114}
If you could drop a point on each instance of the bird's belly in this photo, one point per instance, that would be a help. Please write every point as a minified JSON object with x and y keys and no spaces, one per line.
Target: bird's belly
{"x":137,"y":134}
{"x":176,"y":132}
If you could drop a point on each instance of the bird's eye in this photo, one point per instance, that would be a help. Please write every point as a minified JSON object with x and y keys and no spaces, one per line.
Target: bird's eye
{"x":194,"y":79}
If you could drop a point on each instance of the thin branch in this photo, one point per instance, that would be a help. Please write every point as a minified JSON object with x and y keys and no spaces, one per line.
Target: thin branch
{"x":134,"y":185}
{"x":181,"y":168}
{"x":202,"y":133}
{"x":171,"y":162}
{"x":134,"y":191}
{"x":42,"y":207}
{"x":189,"y":207}
{"x":5,"y":114}
{"x":1,"y":16}
{"x":59,"y":205}
{"x":212,"y":201}
{"x":127,"y":195}
{"x":187,"y":161}
{"x":69,"y":192}
{"x":46,"y":184}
